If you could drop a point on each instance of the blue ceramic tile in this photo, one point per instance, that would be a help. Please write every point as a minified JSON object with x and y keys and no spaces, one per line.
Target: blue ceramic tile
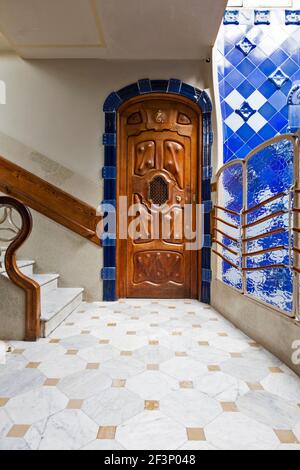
{"x":235,"y":78}
{"x":109,"y":172}
{"x":110,"y":123}
{"x":256,"y":78}
{"x":267,"y":132}
{"x":144,"y":86}
{"x":292,"y":17}
{"x":262,"y":17}
{"x":109,"y":139}
{"x":234,"y":143}
{"x":174,"y":86}
{"x":278,"y":100}
{"x":245,"y":111}
{"x":227,"y":132}
{"x":267,"y":111}
{"x":278,"y":122}
{"x":246,"y":46}
{"x":235,"y":57}
{"x":226,"y":110}
{"x":112,"y":103}
{"x":246,"y":67}
{"x":255,"y":141}
{"x":188,"y":91}
{"x":244,"y":151}
{"x":289,"y":67}
{"x":129,"y":92}
{"x":279,"y":57}
{"x":110,"y":156}
{"x":108,"y":274}
{"x":231,"y":17}
{"x":267,"y":67}
{"x":228,"y":154}
{"x":245,"y":132}
{"x":268,"y":89}
{"x":246,"y":89}
{"x":160,"y":86}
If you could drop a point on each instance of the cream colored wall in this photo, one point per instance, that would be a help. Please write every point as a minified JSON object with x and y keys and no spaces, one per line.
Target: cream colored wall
{"x":52,"y":125}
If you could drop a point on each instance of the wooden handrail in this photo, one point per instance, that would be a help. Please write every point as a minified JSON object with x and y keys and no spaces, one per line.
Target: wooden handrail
{"x":49,"y":200}
{"x":29,"y":286}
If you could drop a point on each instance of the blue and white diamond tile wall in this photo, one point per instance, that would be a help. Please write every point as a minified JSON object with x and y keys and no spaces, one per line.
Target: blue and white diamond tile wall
{"x":258,"y":63}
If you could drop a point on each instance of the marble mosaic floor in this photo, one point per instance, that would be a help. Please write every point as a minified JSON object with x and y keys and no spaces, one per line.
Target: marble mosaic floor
{"x":147,"y":375}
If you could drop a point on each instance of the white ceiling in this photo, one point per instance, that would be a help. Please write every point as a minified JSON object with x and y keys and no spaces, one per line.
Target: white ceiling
{"x":111,"y":29}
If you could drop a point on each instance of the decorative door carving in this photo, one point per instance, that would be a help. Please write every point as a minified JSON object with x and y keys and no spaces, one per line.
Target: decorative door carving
{"x":159,"y":146}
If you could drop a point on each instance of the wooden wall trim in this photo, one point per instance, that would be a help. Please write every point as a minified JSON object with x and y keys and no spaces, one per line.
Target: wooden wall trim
{"x":49,"y":200}
{"x":29,"y":286}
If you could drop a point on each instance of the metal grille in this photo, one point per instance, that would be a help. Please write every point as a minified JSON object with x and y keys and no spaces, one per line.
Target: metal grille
{"x":159,"y":193}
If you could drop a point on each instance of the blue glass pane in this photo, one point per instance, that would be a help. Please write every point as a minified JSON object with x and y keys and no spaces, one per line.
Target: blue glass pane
{"x":231,"y":198}
{"x":269,"y":173}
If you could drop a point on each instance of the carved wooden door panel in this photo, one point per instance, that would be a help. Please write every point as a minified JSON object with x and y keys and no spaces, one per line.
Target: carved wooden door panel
{"x":157,"y":160}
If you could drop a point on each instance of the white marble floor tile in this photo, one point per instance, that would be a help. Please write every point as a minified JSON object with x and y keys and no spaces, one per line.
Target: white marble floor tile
{"x":13,"y":444}
{"x":104,"y":444}
{"x":84,"y":384}
{"x":36,"y":405}
{"x":284,"y":385}
{"x":5,"y":423}
{"x":223,"y":387}
{"x":66,"y":365}
{"x":122,"y":367}
{"x":151,"y":430}
{"x":235,"y":431}
{"x":183,"y":368}
{"x":22,"y":381}
{"x":269,"y":409}
{"x":68,"y":430}
{"x":113,"y":406}
{"x":152,"y":385}
{"x":190,"y":408}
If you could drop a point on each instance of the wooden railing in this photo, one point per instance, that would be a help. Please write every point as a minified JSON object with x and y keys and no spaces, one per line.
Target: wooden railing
{"x":49,"y":200}
{"x":16,"y":237}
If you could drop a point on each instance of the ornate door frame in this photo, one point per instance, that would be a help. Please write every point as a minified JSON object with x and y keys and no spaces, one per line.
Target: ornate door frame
{"x":174,"y":88}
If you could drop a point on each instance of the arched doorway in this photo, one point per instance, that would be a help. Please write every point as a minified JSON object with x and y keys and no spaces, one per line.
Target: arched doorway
{"x":168,"y":124}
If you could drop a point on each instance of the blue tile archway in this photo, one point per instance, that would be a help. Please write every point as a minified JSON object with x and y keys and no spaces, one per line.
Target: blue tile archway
{"x":109,"y":171}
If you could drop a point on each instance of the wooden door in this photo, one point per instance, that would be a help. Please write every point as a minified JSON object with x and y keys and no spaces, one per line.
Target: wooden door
{"x":158,"y":172}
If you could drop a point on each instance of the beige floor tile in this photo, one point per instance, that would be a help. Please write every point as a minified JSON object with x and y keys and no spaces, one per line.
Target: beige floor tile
{"x":72,"y":352}
{"x":151,"y":405}
{"x":229,"y":407}
{"x":33,"y":365}
{"x":107,"y":432}
{"x":51,"y":382}
{"x":255,"y":387}
{"x":276,"y":370}
{"x":75,"y":404}
{"x":196,"y":434}
{"x":93,"y":366}
{"x":214,"y":368}
{"x":119,"y":383}
{"x":286,"y":437}
{"x":18,"y":431}
{"x":3,"y":401}
{"x":186,"y":384}
{"x":152,"y":367}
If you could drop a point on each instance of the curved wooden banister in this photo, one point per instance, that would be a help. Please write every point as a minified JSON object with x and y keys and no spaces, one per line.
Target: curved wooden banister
{"x":49,"y":200}
{"x":29,"y":286}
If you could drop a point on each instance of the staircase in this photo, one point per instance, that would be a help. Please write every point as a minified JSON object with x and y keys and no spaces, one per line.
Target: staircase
{"x":56,"y":303}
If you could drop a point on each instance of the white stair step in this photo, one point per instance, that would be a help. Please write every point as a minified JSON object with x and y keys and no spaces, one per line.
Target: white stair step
{"x":26,"y":267}
{"x":57,"y":305}
{"x":47,"y":282}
